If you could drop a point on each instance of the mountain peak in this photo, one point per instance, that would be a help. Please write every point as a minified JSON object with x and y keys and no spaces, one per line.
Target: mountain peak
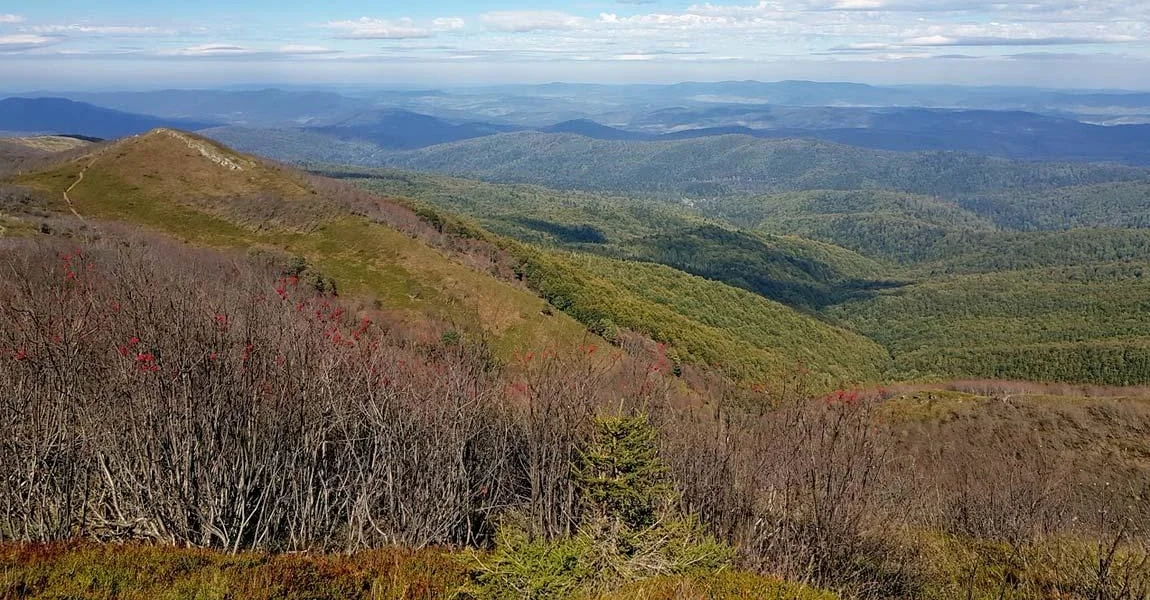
{"x":165,"y":168}
{"x":207,"y":149}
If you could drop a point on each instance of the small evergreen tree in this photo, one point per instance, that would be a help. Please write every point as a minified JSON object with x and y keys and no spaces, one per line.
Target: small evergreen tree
{"x":620,"y":474}
{"x":630,"y":527}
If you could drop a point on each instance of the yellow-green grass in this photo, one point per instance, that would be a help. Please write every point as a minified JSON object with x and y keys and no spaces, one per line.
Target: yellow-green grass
{"x":12,"y":226}
{"x":1053,"y":567}
{"x":729,"y":584}
{"x":407,"y":276}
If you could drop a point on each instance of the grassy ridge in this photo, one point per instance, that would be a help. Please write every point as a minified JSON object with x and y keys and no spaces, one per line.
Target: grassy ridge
{"x":940,"y":288}
{"x":264,"y":206}
{"x":405,"y":275}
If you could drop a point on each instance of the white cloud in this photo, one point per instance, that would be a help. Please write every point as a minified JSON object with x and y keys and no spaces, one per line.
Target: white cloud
{"x":366,"y":28}
{"x":942,"y":40}
{"x":8,"y":19}
{"x":748,"y":32}
{"x":219,"y":49}
{"x":522,"y":21}
{"x":24,"y":41}
{"x":223,"y":50}
{"x":101,"y":29}
{"x":448,"y":23}
{"x":301,"y":49}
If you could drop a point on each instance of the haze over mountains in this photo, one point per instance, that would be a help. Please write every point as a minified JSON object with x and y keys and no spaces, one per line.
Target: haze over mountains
{"x":365,"y":128}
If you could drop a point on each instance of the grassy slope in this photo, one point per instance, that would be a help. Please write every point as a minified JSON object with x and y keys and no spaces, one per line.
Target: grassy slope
{"x":264,"y":206}
{"x":766,"y":325}
{"x":47,"y":143}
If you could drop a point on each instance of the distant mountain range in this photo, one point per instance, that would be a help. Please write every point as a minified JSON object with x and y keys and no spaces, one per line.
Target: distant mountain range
{"x":328,"y":127}
{"x":61,"y":116}
{"x":534,"y":106}
{"x":402,"y":129}
{"x":1017,"y":135}
{"x":243,"y":107}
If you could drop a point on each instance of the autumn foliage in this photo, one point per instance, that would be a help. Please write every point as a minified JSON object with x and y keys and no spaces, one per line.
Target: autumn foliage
{"x":164,"y":395}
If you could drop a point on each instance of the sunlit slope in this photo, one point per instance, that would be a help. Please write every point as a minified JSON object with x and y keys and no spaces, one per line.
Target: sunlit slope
{"x":198,"y":191}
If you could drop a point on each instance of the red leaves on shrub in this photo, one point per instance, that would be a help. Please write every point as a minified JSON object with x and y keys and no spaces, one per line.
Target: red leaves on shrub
{"x":147,"y":362}
{"x":124,"y":349}
{"x":362,"y":329}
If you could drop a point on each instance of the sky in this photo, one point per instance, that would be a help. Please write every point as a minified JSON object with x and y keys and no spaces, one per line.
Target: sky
{"x":77,"y":44}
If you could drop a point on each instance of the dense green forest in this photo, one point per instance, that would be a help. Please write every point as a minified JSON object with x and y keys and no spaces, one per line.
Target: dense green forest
{"x":793,"y":270}
{"x":948,"y":288}
{"x":732,"y":164}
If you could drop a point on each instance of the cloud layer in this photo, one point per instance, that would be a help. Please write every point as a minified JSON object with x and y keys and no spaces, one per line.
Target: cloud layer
{"x":726,"y":33}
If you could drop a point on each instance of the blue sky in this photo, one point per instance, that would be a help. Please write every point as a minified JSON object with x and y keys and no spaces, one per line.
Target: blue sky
{"x":1055,"y":43}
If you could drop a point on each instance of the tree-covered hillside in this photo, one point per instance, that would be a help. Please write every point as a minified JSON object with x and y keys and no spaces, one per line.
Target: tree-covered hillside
{"x":732,"y":164}
{"x":947,"y":287}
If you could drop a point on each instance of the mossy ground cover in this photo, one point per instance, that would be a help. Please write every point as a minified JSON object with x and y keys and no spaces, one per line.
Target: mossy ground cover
{"x":134,"y":572}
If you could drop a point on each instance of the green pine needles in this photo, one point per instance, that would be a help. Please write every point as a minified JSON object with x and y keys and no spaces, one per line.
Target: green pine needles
{"x":630,"y":526}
